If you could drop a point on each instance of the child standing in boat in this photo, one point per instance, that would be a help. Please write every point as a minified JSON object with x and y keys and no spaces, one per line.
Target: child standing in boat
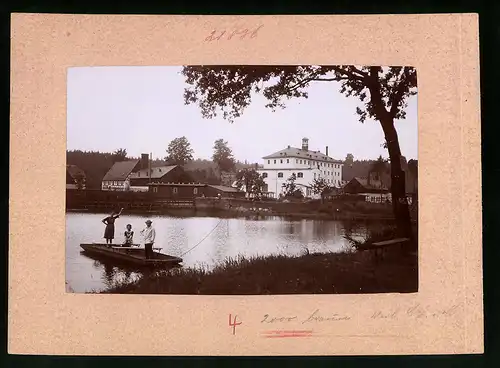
{"x":129,"y":236}
{"x":109,"y":231}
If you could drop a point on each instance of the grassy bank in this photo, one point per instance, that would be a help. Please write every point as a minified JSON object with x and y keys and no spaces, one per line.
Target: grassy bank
{"x":326,"y":273}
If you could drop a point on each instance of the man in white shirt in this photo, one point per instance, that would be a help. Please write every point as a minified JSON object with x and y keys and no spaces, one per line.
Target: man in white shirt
{"x":149,"y":235}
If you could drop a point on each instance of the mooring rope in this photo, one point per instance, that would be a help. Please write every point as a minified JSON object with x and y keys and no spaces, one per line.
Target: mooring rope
{"x":206,"y":236}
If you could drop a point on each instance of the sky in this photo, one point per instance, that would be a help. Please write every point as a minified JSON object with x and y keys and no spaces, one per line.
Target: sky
{"x":142,"y":109}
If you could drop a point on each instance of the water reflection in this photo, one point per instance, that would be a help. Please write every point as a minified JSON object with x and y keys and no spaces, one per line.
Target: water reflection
{"x":207,"y":241}
{"x":113,"y":273}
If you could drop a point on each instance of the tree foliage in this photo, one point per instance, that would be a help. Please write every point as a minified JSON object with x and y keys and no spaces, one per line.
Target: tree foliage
{"x":349,"y":159}
{"x":290,"y":189}
{"x":320,"y":186}
{"x":228,"y":89}
{"x":120,"y":155}
{"x":95,"y":165}
{"x":80,"y":181}
{"x":250,"y":181}
{"x":179,"y":152}
{"x":223,"y":156}
{"x":206,"y":176}
{"x":380,"y":166}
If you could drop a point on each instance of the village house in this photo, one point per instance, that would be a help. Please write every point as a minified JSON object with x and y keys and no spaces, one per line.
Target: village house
{"x":135,"y":175}
{"x":376,"y":187}
{"x":75,"y":177}
{"x":371,"y":187}
{"x":307,"y":165}
{"x":118,"y":177}
{"x":163,"y":174}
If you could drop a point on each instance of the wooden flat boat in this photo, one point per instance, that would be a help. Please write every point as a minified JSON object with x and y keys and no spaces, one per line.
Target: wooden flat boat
{"x":133,"y":254}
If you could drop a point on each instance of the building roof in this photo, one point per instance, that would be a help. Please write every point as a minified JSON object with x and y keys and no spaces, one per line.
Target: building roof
{"x":156,"y":172}
{"x":177,"y":184}
{"x":120,"y":170}
{"x":223,"y":188}
{"x":300,"y":153}
{"x":75,"y":172}
{"x":374,"y":184}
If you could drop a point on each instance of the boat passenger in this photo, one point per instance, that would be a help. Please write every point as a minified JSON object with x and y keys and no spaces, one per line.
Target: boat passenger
{"x":149,"y":235}
{"x":109,"y":231}
{"x":129,"y":236}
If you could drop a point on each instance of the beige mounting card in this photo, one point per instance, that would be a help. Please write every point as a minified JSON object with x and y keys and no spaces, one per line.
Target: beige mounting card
{"x":444,"y":317}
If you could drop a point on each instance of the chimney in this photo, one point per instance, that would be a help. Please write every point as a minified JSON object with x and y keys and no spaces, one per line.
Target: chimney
{"x":305,"y":144}
{"x":149,"y":166}
{"x":326,"y":151}
{"x":144,"y":161}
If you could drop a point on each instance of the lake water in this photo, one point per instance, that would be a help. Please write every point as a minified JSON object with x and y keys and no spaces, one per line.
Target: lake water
{"x":224,"y":237}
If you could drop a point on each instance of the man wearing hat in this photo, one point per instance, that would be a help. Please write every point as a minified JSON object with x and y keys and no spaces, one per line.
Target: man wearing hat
{"x":149,"y":235}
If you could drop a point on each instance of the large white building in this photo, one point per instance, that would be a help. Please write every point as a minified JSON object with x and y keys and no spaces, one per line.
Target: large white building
{"x":305,"y":164}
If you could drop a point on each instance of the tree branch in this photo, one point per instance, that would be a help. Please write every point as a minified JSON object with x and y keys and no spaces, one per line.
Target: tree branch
{"x":400,"y":90}
{"x":330,"y":79}
{"x":349,"y":73}
{"x":360,"y":72}
{"x":315,"y":79}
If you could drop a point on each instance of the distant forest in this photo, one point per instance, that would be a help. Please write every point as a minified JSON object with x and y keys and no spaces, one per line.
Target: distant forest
{"x":357,"y":168}
{"x":96,"y":164}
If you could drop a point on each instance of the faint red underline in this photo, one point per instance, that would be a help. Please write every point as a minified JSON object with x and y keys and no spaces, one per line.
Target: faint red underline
{"x":287,"y":333}
{"x":309,"y":333}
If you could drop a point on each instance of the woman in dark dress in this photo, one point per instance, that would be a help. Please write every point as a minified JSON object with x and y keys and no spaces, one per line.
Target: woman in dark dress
{"x":109,"y":232}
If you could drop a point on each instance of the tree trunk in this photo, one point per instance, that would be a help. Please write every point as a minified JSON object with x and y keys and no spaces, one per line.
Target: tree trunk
{"x":398,"y":187}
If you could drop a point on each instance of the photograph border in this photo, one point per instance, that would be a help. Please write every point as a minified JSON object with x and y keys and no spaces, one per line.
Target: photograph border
{"x":89,"y":169}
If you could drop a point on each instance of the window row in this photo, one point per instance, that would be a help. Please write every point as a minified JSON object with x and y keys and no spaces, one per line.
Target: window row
{"x":334,"y":173}
{"x":175,"y":190}
{"x":280,"y":175}
{"x":113,"y":182}
{"x":331,"y":181}
{"x":306,"y":162}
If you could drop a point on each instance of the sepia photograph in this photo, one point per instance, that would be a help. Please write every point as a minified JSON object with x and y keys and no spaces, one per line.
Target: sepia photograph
{"x":242,"y":180}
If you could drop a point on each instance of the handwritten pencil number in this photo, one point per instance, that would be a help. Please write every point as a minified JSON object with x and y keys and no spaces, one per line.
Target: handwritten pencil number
{"x":217,"y":35}
{"x":233,"y":323}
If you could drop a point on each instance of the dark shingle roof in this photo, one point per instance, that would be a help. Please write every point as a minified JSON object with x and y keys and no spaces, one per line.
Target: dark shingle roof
{"x":374,"y":184}
{"x":225,"y":189}
{"x":120,"y":170}
{"x":300,"y":153}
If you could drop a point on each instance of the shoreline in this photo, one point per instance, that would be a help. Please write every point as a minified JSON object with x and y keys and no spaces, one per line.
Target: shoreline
{"x":235,"y":213}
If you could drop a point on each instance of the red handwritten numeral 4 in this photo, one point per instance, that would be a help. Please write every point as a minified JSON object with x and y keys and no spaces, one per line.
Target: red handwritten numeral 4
{"x":233,"y":323}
